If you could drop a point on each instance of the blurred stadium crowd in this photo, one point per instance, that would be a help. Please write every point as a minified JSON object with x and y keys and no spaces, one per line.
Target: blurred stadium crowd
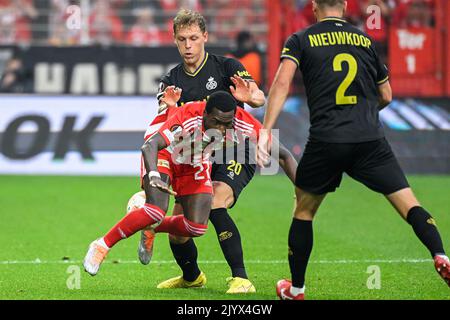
{"x":137,"y":23}
{"x":148,"y":22}
{"x":241,"y":27}
{"x":395,"y":13}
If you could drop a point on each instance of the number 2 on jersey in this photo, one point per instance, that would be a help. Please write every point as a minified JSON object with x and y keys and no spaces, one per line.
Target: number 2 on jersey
{"x":341,"y":98}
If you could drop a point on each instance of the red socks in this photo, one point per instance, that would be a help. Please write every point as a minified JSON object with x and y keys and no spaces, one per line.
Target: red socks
{"x":180,"y":226}
{"x":134,"y":221}
{"x":138,"y":219}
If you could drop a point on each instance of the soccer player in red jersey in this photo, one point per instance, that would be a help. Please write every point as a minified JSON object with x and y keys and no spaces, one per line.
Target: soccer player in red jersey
{"x":197,"y":76}
{"x":190,"y":135}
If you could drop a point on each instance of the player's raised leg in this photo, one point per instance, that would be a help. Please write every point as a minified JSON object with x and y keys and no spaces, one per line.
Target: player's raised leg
{"x":300,"y":244}
{"x":136,"y":220}
{"x":424,"y":226}
{"x":376,"y":166}
{"x":161,"y":200}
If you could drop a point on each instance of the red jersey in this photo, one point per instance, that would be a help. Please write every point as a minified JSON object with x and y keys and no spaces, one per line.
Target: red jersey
{"x":158,"y":121}
{"x":193,"y":176}
{"x":188,"y":121}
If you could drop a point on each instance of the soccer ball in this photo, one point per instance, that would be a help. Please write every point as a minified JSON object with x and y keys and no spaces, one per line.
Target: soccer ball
{"x":136,"y":201}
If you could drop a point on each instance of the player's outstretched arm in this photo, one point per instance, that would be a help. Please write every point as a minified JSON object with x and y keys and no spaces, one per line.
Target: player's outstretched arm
{"x":385,"y":93}
{"x":286,"y":160}
{"x":277,"y":96}
{"x":150,"y":154}
{"x":279,"y":92}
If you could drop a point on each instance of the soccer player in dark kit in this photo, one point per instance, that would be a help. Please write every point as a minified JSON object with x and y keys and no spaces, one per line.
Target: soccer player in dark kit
{"x":346,"y":87}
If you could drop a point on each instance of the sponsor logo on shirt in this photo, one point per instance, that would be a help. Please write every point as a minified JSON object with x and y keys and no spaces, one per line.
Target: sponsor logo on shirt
{"x":244,"y":73}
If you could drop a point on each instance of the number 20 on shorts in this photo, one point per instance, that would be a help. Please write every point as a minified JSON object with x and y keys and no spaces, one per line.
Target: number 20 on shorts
{"x":234,"y":166}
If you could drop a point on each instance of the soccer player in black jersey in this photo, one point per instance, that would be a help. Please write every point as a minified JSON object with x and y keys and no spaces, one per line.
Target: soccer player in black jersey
{"x":346,"y":86}
{"x":198,"y":76}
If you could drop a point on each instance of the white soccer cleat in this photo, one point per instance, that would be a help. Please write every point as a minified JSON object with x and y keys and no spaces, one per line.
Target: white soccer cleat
{"x":96,"y":254}
{"x":145,"y":249}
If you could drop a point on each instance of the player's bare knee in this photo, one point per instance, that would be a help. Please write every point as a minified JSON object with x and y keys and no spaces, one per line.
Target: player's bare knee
{"x":304,"y":214}
{"x":222,"y":201}
{"x":305,"y":208}
{"x":307,"y":204}
{"x":403,"y":201}
{"x":223,"y":195}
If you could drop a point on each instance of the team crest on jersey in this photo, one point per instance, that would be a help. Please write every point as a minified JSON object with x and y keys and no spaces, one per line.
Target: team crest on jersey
{"x":211,"y":84}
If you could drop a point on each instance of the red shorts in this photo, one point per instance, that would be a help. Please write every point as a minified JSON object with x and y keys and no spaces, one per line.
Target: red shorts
{"x":192,"y":179}
{"x":185,"y":179}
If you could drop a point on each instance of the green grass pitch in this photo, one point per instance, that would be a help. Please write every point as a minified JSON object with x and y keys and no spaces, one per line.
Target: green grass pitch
{"x":45,"y":220}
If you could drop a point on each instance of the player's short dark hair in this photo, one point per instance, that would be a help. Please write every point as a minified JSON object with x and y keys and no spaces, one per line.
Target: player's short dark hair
{"x":185,"y":18}
{"x":222,"y":101}
{"x":330,"y":3}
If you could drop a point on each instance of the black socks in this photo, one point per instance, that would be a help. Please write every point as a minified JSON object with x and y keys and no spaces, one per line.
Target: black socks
{"x":230,"y":241}
{"x":425,"y":228}
{"x":186,"y":256}
{"x":300,"y":247}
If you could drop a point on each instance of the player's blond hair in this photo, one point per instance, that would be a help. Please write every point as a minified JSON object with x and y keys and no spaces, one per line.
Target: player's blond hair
{"x":330,"y":3}
{"x":186,"y":18}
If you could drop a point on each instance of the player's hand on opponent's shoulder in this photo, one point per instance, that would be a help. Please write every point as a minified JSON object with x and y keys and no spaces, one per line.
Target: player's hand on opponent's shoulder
{"x":171,"y":95}
{"x":156,"y":182}
{"x":241,"y":90}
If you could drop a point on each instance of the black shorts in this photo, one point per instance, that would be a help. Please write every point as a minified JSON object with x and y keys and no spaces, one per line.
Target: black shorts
{"x":372,"y":163}
{"x":234,"y":173}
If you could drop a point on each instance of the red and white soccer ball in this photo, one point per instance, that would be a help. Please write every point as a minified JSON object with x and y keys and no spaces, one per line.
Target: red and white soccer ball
{"x":136,"y":201}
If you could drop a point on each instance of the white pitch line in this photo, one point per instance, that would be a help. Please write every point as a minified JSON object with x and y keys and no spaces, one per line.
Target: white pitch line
{"x":38,"y":261}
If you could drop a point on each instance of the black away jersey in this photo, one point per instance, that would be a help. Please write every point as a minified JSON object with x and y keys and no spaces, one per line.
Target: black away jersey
{"x":212,"y":75}
{"x":341,"y":72}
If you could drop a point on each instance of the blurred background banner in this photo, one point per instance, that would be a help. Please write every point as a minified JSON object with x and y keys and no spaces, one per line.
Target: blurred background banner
{"x":73,"y":134}
{"x":64,"y":63}
{"x":103,"y":134}
{"x":93,"y":70}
